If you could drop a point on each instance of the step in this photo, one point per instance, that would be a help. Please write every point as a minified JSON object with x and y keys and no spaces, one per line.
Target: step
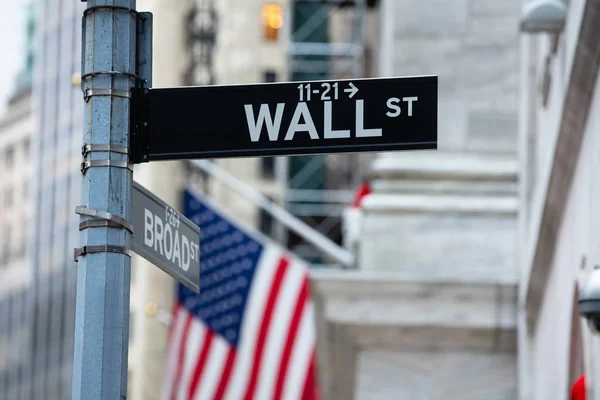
{"x":378,"y":203}
{"x":444,"y":165}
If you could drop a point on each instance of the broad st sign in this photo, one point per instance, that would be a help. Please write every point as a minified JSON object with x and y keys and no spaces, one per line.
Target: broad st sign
{"x":165,"y":237}
{"x":275,"y":119}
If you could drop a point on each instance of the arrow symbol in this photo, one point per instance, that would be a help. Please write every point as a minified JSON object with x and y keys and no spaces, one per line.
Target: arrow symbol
{"x":352,"y":90}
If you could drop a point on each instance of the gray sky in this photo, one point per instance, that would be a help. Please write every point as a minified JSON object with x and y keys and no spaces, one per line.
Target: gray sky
{"x":12,"y":32}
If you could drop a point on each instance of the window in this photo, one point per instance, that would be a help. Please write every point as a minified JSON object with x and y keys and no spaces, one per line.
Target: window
{"x":272,"y":21}
{"x":22,"y":245}
{"x":10,"y":156}
{"x":267,"y":167}
{"x":26,"y":147}
{"x":6,"y":245}
{"x":8,"y":197}
{"x":270,"y":76}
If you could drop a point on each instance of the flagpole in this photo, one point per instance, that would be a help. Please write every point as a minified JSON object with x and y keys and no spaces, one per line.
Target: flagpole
{"x":313,"y":236}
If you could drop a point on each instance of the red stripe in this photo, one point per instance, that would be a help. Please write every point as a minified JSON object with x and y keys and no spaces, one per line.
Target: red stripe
{"x":226,"y":374}
{"x":264,"y":327}
{"x":310,"y":390}
{"x":181,"y":356}
{"x":291,"y":338}
{"x":201,"y":363}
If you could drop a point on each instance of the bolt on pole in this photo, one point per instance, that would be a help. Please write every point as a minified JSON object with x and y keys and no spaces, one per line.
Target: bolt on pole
{"x":103,"y":270}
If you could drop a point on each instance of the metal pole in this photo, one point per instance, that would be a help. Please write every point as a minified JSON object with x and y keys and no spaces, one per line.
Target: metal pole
{"x":103,"y":271}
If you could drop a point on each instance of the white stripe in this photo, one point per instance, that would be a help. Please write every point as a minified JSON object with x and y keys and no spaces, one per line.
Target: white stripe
{"x":253,"y":312}
{"x":178,"y":322}
{"x":193,"y":347}
{"x":213,"y":370}
{"x":301,"y":356}
{"x":278,"y":330}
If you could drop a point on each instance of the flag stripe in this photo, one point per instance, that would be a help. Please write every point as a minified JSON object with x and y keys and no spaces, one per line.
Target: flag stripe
{"x":180,"y":358}
{"x":266,"y":320}
{"x":309,"y":385}
{"x":213,"y":370}
{"x":226,"y":375}
{"x":195,"y":342}
{"x":201,"y":363}
{"x":255,"y":308}
{"x":301,"y":353}
{"x":177,"y":325}
{"x":277,"y":333}
{"x":291,"y":337}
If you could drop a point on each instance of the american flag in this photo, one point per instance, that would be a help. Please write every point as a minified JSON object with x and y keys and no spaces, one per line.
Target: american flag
{"x":250,"y":333}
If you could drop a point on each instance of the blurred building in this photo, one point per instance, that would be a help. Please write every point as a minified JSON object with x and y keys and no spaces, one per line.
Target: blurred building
{"x":55,"y":192}
{"x":558,"y":145}
{"x":16,"y":129}
{"x":431,"y":311}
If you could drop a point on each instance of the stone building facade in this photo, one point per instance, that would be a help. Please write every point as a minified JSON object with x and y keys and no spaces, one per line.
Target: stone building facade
{"x":431,"y":312}
{"x":559,"y":139}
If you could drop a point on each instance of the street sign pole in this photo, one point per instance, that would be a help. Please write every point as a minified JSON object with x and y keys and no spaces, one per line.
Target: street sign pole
{"x":103,"y":271}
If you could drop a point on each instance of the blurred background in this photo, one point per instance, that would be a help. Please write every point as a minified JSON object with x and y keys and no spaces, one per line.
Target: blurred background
{"x":467,"y":260}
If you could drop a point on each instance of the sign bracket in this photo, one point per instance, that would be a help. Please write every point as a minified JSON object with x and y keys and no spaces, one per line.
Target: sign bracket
{"x":103,"y":216}
{"x":139,"y":126}
{"x":144,"y":71}
{"x":82,"y":251}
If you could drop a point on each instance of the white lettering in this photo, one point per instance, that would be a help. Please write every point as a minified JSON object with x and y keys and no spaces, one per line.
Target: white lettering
{"x":185,"y":253}
{"x":308,"y":125}
{"x":169,"y":246}
{"x":360,"y":122}
{"x":264,"y":117}
{"x":158,"y":234}
{"x":410,"y":100}
{"x":329,"y":133}
{"x":392,"y":105}
{"x":176,"y":251}
{"x":148,"y":225}
{"x":194,"y":247}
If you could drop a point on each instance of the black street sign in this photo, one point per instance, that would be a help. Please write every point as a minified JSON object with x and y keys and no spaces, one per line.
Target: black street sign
{"x":275,"y":119}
